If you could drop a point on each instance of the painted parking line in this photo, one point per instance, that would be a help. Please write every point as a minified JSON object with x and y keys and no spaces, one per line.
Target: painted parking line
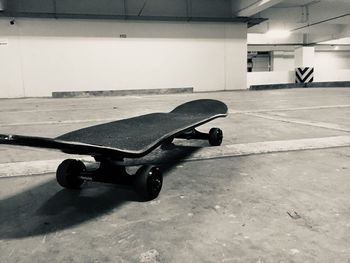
{"x":28,"y":168}
{"x":292,"y":109}
{"x":62,"y":122}
{"x":33,"y":167}
{"x":206,"y":153}
{"x":325,"y":125}
{"x":97,"y":120}
{"x":55,"y":122}
{"x":245,"y":149}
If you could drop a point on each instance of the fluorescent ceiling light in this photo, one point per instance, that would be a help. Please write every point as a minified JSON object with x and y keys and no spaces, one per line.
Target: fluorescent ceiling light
{"x":278,"y":33}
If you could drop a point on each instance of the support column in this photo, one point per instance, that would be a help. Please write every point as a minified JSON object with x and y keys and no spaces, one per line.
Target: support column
{"x":304,"y":58}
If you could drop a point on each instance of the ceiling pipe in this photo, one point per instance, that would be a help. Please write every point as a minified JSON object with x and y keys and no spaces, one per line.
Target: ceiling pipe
{"x":250,"y":21}
{"x":127,"y":11}
{"x":125,"y":8}
{"x":320,"y":22}
{"x":142,"y":8}
{"x":257,"y":7}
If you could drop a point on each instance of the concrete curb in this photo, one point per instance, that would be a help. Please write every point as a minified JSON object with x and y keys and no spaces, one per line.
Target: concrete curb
{"x":85,"y":94}
{"x":332,"y":84}
{"x":207,"y":153}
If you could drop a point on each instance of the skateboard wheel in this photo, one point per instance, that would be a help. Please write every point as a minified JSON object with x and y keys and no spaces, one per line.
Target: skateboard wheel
{"x":215,"y":136}
{"x":148,"y":182}
{"x":68,"y":172}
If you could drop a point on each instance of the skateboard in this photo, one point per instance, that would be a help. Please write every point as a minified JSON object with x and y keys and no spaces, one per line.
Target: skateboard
{"x":110,"y":143}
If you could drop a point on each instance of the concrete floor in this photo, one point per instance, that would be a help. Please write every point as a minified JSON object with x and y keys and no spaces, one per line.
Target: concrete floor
{"x":276,"y":206}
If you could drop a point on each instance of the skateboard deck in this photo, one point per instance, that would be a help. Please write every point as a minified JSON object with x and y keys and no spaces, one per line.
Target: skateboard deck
{"x":128,"y":138}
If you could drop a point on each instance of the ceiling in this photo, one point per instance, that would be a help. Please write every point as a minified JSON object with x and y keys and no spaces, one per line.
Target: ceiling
{"x":158,"y":10}
{"x":310,"y":21}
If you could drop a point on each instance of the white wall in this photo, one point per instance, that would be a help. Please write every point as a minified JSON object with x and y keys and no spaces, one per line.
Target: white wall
{"x":46,"y":55}
{"x":323,"y":60}
{"x":332,"y":66}
{"x":334,"y":75}
{"x":331,"y":60}
{"x":271,"y":77}
{"x":282,"y":60}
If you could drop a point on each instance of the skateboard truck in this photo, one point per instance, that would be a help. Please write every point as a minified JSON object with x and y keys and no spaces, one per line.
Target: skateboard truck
{"x":214,"y":136}
{"x":147,"y":181}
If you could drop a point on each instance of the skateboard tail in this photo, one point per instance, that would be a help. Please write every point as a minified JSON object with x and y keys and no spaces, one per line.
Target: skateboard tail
{"x":37,"y":142}
{"x":48,"y":143}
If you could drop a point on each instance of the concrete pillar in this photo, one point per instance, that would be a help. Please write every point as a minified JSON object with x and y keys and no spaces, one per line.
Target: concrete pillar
{"x":304,"y":60}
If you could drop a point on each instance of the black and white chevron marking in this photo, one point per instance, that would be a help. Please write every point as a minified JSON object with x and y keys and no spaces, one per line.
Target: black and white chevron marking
{"x":304,"y":75}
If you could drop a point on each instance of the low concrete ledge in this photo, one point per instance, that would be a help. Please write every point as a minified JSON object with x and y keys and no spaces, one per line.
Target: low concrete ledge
{"x":205,"y":153}
{"x":331,"y":84}
{"x":84,"y":94}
